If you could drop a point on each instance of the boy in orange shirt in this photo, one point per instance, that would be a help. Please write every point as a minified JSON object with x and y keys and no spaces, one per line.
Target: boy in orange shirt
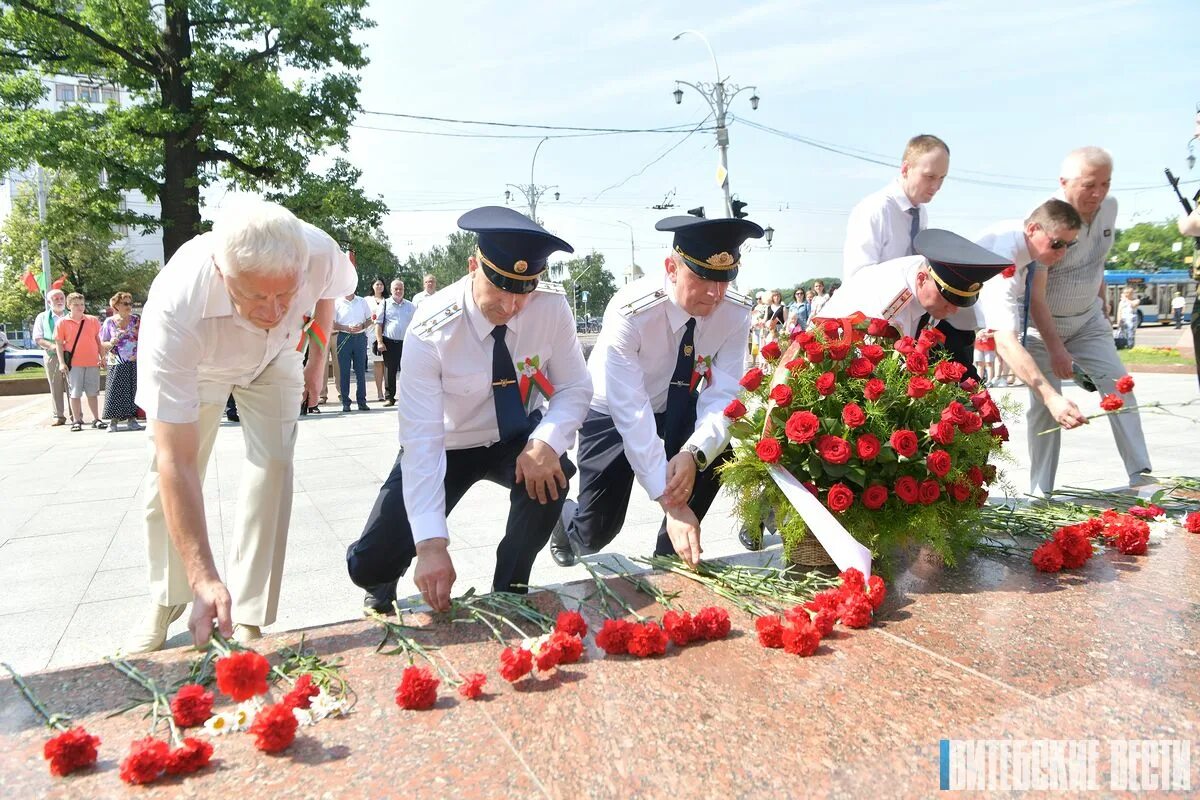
{"x":77,"y":340}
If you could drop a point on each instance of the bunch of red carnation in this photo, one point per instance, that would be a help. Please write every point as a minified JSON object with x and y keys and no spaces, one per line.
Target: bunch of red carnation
{"x":563,"y":645}
{"x":1192,"y":522}
{"x":706,"y":625}
{"x":150,"y":759}
{"x":1116,"y":400}
{"x":618,"y":637}
{"x":1072,"y":545}
{"x":800,"y":630}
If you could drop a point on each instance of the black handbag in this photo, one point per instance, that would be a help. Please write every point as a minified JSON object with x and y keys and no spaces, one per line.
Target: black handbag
{"x":68,"y":353}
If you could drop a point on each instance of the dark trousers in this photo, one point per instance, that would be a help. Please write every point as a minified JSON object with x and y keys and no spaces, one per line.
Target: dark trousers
{"x":1196,"y":333}
{"x":605,"y":481}
{"x":352,"y":355}
{"x":385,"y":549}
{"x":391,"y":364}
{"x":961,"y":347}
{"x":1178,"y":315}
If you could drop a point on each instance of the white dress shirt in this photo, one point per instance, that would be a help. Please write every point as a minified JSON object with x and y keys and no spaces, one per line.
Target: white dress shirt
{"x":394,"y":318}
{"x":1001,"y":304}
{"x":634,"y":360}
{"x":355,"y":311}
{"x":446,"y":400}
{"x":421,"y":297}
{"x":193,"y":346}
{"x":887,"y":291}
{"x":880,"y":229}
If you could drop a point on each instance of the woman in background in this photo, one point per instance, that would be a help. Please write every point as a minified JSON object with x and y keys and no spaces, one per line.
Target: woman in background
{"x":118,"y":343}
{"x":375,"y":301}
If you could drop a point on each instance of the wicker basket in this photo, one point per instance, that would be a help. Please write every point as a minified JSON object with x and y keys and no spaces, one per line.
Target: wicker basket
{"x":808,"y":552}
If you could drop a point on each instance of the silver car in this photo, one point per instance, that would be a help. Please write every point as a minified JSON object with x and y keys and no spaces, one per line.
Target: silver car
{"x":21,"y":359}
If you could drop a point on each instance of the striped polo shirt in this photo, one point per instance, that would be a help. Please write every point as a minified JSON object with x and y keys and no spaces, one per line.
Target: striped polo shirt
{"x":1074,"y":284}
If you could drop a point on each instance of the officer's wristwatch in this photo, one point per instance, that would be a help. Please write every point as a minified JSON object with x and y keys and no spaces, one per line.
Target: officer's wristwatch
{"x":697,"y":455}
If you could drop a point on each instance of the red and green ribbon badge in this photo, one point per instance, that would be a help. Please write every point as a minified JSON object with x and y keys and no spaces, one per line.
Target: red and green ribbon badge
{"x":703,"y":369}
{"x":533,"y":377}
{"x":311,"y":332}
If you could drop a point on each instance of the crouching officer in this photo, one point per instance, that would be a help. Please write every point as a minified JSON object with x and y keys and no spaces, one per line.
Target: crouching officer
{"x":482,"y":358}
{"x":670,"y":354}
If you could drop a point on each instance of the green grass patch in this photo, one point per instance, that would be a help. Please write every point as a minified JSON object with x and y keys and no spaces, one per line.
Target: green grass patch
{"x":30,"y":372}
{"x":1151,"y":355}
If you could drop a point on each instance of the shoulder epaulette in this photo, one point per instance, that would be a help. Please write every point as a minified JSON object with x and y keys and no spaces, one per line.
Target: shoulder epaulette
{"x":898,"y":302}
{"x":642,"y":303}
{"x":552,"y":288}
{"x":740,"y":299}
{"x":431,"y":324}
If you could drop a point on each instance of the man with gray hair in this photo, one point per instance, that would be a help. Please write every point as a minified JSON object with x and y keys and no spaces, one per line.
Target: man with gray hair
{"x":1067,"y":305}
{"x":230,"y":312}
{"x":43,"y":335}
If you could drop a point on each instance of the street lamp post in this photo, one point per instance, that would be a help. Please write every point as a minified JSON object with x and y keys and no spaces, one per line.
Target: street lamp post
{"x":531,"y":191}
{"x":718,"y":95}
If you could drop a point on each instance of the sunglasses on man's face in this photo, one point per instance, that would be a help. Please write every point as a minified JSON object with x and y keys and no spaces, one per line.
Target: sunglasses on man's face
{"x":1059,"y":244}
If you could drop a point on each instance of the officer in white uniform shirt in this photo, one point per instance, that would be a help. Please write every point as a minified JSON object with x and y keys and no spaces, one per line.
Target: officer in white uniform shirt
{"x":1067,"y":305}
{"x":946,"y":275}
{"x":1038,"y":243}
{"x":670,"y":354}
{"x":480,"y":360}
{"x":228,"y":313}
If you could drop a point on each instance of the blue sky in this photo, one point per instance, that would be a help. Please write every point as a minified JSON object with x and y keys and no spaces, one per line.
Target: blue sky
{"x":1010,"y":86}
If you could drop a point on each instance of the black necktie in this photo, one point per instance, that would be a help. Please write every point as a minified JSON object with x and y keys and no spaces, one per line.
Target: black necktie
{"x":921,"y":323}
{"x":914,"y":229}
{"x":1029,"y":270}
{"x":681,"y":402}
{"x":510,"y":411}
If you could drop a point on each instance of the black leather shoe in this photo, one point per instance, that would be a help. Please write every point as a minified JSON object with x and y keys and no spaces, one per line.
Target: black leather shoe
{"x":380,"y":598}
{"x":363,"y":407}
{"x":748,"y":541}
{"x":232,"y":416}
{"x":560,"y":544}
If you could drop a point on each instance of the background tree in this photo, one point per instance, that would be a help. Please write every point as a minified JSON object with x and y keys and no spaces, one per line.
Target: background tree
{"x":203,"y":81}
{"x":588,"y":275}
{"x":336,"y":203}
{"x":81,"y":248}
{"x":447,"y":264}
{"x":1155,"y":240}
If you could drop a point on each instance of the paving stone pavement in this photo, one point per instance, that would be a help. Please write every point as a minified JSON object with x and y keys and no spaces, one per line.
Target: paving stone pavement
{"x":72,"y":562}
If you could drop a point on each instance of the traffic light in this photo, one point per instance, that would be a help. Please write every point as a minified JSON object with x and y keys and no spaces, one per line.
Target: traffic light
{"x":698,"y":211}
{"x":737,"y":206}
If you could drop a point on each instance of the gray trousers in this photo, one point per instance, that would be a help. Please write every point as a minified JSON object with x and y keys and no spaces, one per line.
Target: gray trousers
{"x":1089,"y":340}
{"x":58,"y":384}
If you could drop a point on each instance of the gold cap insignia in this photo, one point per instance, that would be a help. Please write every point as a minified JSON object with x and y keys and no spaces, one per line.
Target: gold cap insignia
{"x":975,"y":287}
{"x":520,"y":266}
{"x":720,"y":260}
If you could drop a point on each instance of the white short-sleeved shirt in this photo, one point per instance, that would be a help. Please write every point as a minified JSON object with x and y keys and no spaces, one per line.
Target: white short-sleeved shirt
{"x":421,"y":297}
{"x":446,"y":400}
{"x":355,"y":311}
{"x":887,"y":291}
{"x":880,"y":229}
{"x":193,"y":346}
{"x":1001,"y":305}
{"x":634,"y":360}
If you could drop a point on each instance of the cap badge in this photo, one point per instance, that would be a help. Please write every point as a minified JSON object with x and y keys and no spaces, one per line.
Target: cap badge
{"x":520,"y":266}
{"x":720,"y":260}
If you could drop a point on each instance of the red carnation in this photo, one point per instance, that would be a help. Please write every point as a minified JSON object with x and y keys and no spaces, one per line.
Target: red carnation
{"x":1000,"y":432}
{"x":919,"y":386}
{"x":1075,"y":544}
{"x":1192,"y":522}
{"x":71,"y":750}
{"x":275,"y":726}
{"x":1133,"y":540}
{"x":191,"y":706}
{"x":782,"y":395}
{"x":192,"y":757}
{"x":928,"y":492}
{"x":853,"y":416}
{"x":874,"y":497}
{"x":1147,"y":512}
{"x":712,"y":623}
{"x":736,"y":409}
{"x":839,"y":350}
{"x":874,"y":389}
{"x":647,"y":639}
{"x":770,"y":631}
{"x":517,"y":662}
{"x":826,"y":384}
{"x":860,"y":368}
{"x":917,"y":363}
{"x":872,"y":352}
{"x":942,"y":432}
{"x":1111,"y":402}
{"x":904,"y":442}
{"x":831,"y":327}
{"x":840,"y":498}
{"x":1009,"y":271}
{"x":242,"y":675}
{"x":907,"y":489}
{"x":905,"y":345}
{"x":855,"y":611}
{"x":876,"y":591}
{"x":571,"y":622}
{"x":680,"y":627}
{"x":800,"y":637}
{"x":867,"y":446}
{"x":568,"y":645}
{"x":814,"y":351}
{"x":949,"y":372}
{"x":770,"y":351}
{"x":852,"y":580}
{"x":796,"y":365}
{"x":833,"y":449}
{"x":752,"y":379}
{"x":877,"y":327}
{"x":418,"y":688}
{"x":938,"y":462}
{"x":826,"y":599}
{"x":1125,"y":384}
{"x":972,"y":424}
{"x":1048,"y":557}
{"x":613,"y":637}
{"x":302,"y":693}
{"x":824,"y":620}
{"x":769,"y":449}
{"x":801,"y":427}
{"x":147,"y":760}
{"x":549,"y":655}
{"x":472,"y":685}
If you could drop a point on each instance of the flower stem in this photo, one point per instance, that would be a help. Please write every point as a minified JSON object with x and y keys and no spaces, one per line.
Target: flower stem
{"x":56,"y":722}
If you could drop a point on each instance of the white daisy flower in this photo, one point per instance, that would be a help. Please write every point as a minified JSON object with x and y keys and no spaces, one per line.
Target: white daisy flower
{"x":304,"y":717}
{"x":220,"y":724}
